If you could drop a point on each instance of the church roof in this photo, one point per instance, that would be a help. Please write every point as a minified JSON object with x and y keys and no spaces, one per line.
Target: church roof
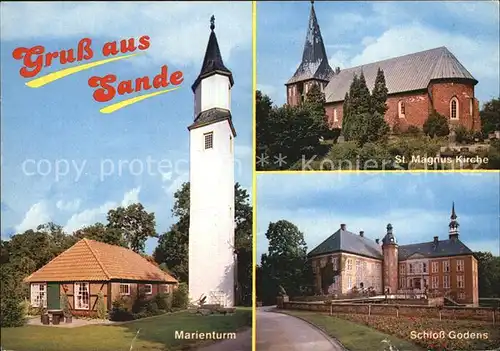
{"x":346,"y":241}
{"x":440,"y":248}
{"x":213,"y":115}
{"x":314,"y":63}
{"x":212,"y":63}
{"x":403,"y":73}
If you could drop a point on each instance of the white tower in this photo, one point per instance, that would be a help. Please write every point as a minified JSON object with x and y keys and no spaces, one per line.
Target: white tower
{"x":211,"y":225}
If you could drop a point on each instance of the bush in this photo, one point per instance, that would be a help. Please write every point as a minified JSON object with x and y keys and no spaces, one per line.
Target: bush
{"x":164,"y":301}
{"x":436,"y":125}
{"x":101,"y":307}
{"x":119,"y":311}
{"x":463,"y":135}
{"x":12,"y":312}
{"x":65,"y":305}
{"x":180,"y":296}
{"x":413,"y":130}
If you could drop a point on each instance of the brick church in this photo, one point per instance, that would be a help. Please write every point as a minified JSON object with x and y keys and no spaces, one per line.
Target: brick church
{"x":440,"y":267}
{"x":417,"y":84}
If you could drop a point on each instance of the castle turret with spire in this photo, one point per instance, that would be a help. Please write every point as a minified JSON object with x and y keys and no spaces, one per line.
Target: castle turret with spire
{"x":314,"y":67}
{"x":390,"y":263}
{"x":453,"y":232}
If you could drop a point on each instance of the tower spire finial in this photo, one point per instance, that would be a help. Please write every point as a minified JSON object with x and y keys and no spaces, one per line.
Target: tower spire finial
{"x":312,"y":2}
{"x":212,"y":23}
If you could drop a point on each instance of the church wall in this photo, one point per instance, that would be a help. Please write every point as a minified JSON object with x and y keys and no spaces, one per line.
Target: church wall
{"x":416,"y":110}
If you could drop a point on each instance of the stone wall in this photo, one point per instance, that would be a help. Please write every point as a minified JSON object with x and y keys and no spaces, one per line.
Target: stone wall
{"x":472,"y":313}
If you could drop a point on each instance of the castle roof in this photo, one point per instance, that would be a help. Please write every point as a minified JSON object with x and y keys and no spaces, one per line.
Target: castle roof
{"x":212,"y":63}
{"x":346,"y":241}
{"x":314,"y":63}
{"x":438,"y":248}
{"x":404,"y":73}
{"x":90,"y":260}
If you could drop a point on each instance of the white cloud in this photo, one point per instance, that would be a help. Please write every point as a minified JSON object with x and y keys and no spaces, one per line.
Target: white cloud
{"x":176,"y":184}
{"x":70,"y":206}
{"x":92,"y":215}
{"x":178,"y":30}
{"x":38,"y":214}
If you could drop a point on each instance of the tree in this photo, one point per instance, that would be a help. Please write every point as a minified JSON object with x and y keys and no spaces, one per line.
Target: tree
{"x":100,"y":232}
{"x":436,"y":125}
{"x":136,"y":224}
{"x":379,"y":94}
{"x":263,"y":106}
{"x":488,"y":268}
{"x":490,"y":116}
{"x":315,"y":103}
{"x":285,"y":263}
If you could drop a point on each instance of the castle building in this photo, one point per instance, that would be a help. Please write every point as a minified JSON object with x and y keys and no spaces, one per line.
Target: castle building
{"x":440,"y":267}
{"x":418,"y":83}
{"x":211,"y":175}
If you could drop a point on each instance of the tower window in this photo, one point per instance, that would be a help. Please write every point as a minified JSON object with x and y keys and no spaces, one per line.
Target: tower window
{"x":454,"y":108}
{"x":335,"y":117}
{"x":209,"y":140}
{"x":401,"y":109}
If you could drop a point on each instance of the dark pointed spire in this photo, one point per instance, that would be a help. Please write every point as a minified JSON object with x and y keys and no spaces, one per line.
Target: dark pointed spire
{"x":453,"y":223}
{"x":314,"y":63}
{"x":389,"y":238}
{"x":453,"y":214}
{"x":212,"y":63}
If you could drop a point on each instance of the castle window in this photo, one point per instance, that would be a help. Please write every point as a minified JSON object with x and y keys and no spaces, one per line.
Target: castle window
{"x":446,"y":266}
{"x":349,"y":264}
{"x":402,"y":282}
{"x":349,"y":282}
{"x":460,"y":265}
{"x":446,"y":282}
{"x":334,"y":263}
{"x":411,"y":268}
{"x":401,"y":109}
{"x":435,"y":282}
{"x":402,"y":269}
{"x":460,"y":281}
{"x":335,"y":118}
{"x":435,"y":267}
{"x":209,"y":140}
{"x":461,"y":296}
{"x":424,"y":267}
{"x":454,"y":108}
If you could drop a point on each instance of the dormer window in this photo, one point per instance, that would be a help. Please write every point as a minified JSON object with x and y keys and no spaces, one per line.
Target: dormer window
{"x":401,"y":109}
{"x":209,"y":140}
{"x":454,"y":108}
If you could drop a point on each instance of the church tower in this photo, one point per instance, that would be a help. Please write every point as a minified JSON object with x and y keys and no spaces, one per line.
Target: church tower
{"x":390,"y":251}
{"x":314,"y":68}
{"x":211,"y":176}
{"x":453,"y":232}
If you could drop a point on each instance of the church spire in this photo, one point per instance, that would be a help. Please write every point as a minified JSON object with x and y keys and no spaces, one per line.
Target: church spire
{"x":314,"y":63}
{"x":453,"y":223}
{"x":212,"y":63}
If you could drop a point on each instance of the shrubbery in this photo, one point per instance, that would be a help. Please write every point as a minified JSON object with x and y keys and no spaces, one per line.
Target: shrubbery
{"x":120,"y":311}
{"x":180,"y":296}
{"x":436,"y":125}
{"x":12,"y":312}
{"x":101,"y":307}
{"x":164,"y":301}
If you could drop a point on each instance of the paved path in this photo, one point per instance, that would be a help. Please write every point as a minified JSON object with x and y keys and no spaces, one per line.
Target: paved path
{"x":243,"y":342}
{"x":280,"y":332}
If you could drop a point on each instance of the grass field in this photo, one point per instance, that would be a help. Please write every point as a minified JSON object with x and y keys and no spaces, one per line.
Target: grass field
{"x":152,"y":334}
{"x":354,"y":336}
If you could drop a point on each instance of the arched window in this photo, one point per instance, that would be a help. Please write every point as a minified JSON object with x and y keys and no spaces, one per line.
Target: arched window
{"x":335,"y":117}
{"x":401,"y":109}
{"x":454,"y":108}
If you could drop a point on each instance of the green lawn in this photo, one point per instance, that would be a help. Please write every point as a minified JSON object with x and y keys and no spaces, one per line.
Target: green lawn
{"x":355,"y":337}
{"x":155,"y":334}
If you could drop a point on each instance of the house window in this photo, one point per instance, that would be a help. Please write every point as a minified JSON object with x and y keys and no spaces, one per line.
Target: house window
{"x":460,"y":281}
{"x":148,"y":289}
{"x":460,"y":265}
{"x":435,"y":282}
{"x":124,"y":289}
{"x":446,"y":282}
{"x":435,"y":267}
{"x":38,"y":295}
{"x":209,"y":140}
{"x":454,"y":108}
{"x":82,"y":296}
{"x":335,"y":117}
{"x":446,"y":266}
{"x":349,"y":264}
{"x":401,"y":109}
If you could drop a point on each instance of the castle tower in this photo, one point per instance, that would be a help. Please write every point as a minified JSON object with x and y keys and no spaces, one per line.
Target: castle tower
{"x":390,"y":251}
{"x":453,"y":232}
{"x":314,"y":68}
{"x":211,"y":175}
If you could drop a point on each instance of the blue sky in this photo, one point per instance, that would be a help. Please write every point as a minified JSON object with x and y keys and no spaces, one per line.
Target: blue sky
{"x":357,"y":33}
{"x":418,"y":205}
{"x":60,"y":122}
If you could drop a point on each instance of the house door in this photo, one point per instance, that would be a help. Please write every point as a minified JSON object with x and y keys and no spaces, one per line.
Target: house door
{"x":53,"y":296}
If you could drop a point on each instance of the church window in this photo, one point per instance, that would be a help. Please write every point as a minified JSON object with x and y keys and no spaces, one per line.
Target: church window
{"x":335,"y":117}
{"x":401,"y":109}
{"x":471,"y":106}
{"x":454,"y":108}
{"x":209,"y":140}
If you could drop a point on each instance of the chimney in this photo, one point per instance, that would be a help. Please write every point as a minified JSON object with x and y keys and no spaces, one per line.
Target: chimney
{"x":377,"y":241}
{"x":337,"y":70}
{"x":362,"y":234}
{"x":342,"y":226}
{"x":436,"y":239}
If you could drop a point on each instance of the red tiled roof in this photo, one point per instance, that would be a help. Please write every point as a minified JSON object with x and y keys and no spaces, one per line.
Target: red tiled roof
{"x":90,"y":260}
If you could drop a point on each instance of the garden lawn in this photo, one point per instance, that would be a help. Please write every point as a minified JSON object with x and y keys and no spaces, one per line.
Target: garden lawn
{"x":354,"y":336}
{"x":155,"y":333}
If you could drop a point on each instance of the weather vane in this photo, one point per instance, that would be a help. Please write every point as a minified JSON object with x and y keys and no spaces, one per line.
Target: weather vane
{"x":212,"y":22}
